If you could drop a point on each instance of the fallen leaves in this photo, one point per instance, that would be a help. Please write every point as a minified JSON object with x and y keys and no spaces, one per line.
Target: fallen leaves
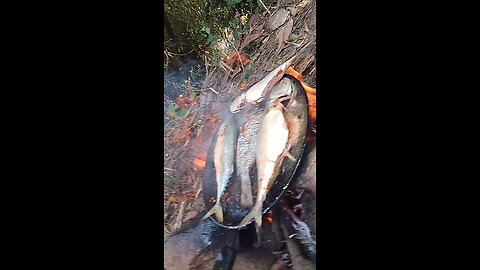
{"x":178,"y":198}
{"x":283,"y":35}
{"x":190,"y":215}
{"x":249,"y":39}
{"x":279,"y":17}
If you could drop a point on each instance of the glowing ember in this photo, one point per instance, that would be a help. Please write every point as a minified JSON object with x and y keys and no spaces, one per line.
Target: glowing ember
{"x":234,"y":56}
{"x":243,"y":85}
{"x":200,"y":163}
{"x":311,"y":93}
{"x":269,"y":216}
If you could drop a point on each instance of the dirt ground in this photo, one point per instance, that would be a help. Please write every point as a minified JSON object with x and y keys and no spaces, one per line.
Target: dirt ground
{"x":272,"y":39}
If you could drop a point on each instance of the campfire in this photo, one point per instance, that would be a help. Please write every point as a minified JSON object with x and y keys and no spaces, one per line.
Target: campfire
{"x":197,"y":114}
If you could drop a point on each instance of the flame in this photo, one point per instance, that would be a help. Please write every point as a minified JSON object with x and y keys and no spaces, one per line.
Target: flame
{"x":269,"y":216}
{"x":310,"y":91}
{"x":243,"y":85}
{"x":200,"y":163}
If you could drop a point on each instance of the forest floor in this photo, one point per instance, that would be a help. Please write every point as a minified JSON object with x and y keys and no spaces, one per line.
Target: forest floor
{"x":191,"y":119}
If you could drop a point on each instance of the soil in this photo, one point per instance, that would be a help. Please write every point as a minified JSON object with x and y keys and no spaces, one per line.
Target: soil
{"x":188,"y":137}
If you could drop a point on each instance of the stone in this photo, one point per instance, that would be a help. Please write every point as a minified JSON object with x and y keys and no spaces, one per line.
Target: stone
{"x":277,"y":19}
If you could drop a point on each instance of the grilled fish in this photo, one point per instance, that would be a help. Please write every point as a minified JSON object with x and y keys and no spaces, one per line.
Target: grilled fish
{"x":246,"y":149}
{"x":259,"y":90}
{"x":285,"y":90}
{"x":273,"y":137}
{"x":224,"y":160}
{"x":256,"y":93}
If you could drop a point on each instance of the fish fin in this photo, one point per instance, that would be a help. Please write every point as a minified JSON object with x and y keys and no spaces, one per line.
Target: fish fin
{"x":287,"y":154}
{"x":254,"y":214}
{"x":258,"y":228}
{"x":217,"y":210}
{"x":292,"y":98}
{"x":282,"y":99}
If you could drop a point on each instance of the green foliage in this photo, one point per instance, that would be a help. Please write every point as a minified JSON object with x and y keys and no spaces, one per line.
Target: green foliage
{"x":276,"y":59}
{"x":199,"y":23}
{"x":176,"y":110}
{"x":233,"y":2}
{"x":249,"y":71}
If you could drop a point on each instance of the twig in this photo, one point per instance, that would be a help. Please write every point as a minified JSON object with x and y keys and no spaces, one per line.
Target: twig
{"x":265,"y":7}
{"x":294,"y":44}
{"x":213,"y":90}
{"x":198,"y":193}
{"x":165,"y":168}
{"x":225,"y":69}
{"x":178,"y":221}
{"x":178,"y":54}
{"x":206,"y":67}
{"x":238,"y":55}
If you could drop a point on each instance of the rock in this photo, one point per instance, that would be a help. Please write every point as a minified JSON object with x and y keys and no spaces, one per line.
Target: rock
{"x":200,"y":243}
{"x":277,"y":19}
{"x":180,"y":250}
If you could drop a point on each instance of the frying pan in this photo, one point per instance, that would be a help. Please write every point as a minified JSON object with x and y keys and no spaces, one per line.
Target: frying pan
{"x":233,"y":213}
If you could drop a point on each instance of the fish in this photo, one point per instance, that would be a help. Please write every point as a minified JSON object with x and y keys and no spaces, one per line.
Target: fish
{"x":285,"y":90}
{"x":273,"y":137}
{"x":246,"y":151}
{"x":224,"y":161}
{"x":257,"y":92}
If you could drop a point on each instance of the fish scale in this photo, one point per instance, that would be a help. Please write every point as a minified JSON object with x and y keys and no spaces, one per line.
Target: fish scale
{"x":246,"y":151}
{"x":224,"y":161}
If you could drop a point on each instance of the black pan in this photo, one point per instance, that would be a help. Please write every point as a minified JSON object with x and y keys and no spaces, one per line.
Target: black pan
{"x":232,"y":211}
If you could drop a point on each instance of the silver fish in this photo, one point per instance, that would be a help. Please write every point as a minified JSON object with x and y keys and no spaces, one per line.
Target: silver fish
{"x":283,"y":88}
{"x":259,"y":90}
{"x":224,"y":160}
{"x":246,"y":151}
{"x":273,"y":137}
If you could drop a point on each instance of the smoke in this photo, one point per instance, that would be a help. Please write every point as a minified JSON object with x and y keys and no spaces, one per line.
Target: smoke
{"x":178,"y":73}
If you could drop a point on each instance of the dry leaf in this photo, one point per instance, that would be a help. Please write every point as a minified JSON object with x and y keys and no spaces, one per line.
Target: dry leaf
{"x":283,"y":35}
{"x":252,"y":21}
{"x":293,"y":11}
{"x":249,"y":39}
{"x":190,"y":215}
{"x":303,"y":3}
{"x":278,"y":19}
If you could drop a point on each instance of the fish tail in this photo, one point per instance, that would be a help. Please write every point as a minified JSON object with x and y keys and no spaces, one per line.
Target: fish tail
{"x":217,"y":210}
{"x":288,"y":155}
{"x":255,"y":213}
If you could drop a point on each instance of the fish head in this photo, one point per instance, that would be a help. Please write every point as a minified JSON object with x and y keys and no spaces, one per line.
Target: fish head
{"x":282,"y":88}
{"x":238,"y":103}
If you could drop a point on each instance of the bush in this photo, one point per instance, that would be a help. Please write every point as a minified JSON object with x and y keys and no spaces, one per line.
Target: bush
{"x":196,"y":24}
